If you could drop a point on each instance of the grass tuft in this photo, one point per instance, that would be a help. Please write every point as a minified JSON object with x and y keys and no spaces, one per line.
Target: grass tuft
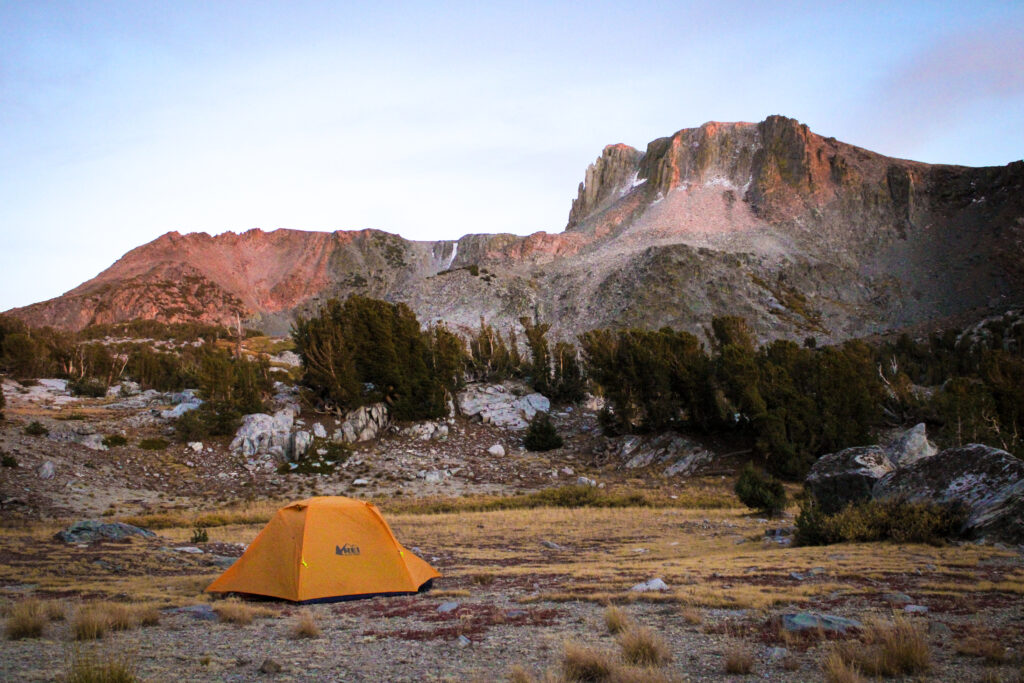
{"x":643,"y":647}
{"x":991,"y":651}
{"x":234,"y":611}
{"x":739,"y":661}
{"x":585,"y":665}
{"x":837,"y":669}
{"x":895,"y":649}
{"x":305,"y":626}
{"x":692,"y":616}
{"x":27,"y":619}
{"x":616,"y":619}
{"x":89,"y":668}
{"x":91,"y":622}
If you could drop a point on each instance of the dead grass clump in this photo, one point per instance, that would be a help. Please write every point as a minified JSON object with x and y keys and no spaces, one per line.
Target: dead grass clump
{"x":585,"y":665}
{"x":91,"y":622}
{"x":89,"y":668}
{"x":616,"y":619}
{"x":739,"y":661}
{"x":483,"y":579}
{"x":895,"y":649}
{"x":989,"y":650}
{"x":305,"y":626}
{"x":643,"y":647}
{"x":692,"y":616}
{"x":234,"y":611}
{"x":837,"y":669}
{"x":26,"y":620}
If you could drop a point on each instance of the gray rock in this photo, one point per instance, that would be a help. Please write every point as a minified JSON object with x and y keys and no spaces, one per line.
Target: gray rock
{"x":301,"y":441}
{"x":503,"y":405}
{"x":196,"y":446}
{"x":689,"y":463}
{"x":497,"y":450}
{"x":269,"y":666}
{"x":363,"y":424}
{"x":847,"y":476}
{"x":988,"y":482}
{"x":552,"y":545}
{"x":89,"y":530}
{"x":361,"y":482}
{"x":585,"y":481}
{"x":652,"y":585}
{"x":776,"y":653}
{"x":915,"y":609}
{"x":898,"y":598}
{"x":446,"y":607}
{"x":180,"y":409}
{"x":262,"y":434}
{"x":319,"y":431}
{"x":808,"y":621}
{"x":911,"y":446}
{"x":81,"y":433}
{"x":46,"y":470}
{"x":202,"y":612}
{"x":464,"y":641}
{"x":433,"y":477}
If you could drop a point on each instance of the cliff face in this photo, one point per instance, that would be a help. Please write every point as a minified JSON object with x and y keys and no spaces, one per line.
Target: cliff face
{"x":803,"y":235}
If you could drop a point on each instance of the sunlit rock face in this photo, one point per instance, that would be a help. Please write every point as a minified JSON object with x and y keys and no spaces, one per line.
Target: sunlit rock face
{"x":801,"y":235}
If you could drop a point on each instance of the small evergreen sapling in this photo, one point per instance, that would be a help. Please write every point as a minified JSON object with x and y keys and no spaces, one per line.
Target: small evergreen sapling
{"x":542,"y":435}
{"x":762,"y":493}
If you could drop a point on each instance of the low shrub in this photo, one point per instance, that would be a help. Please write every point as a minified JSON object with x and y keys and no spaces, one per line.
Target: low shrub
{"x":739,"y":661}
{"x":8,"y":460}
{"x":114,"y":440}
{"x":88,"y":387}
{"x":200,"y":535}
{"x":991,"y":651}
{"x":156,"y":444}
{"x":36,"y":428}
{"x":759,"y":492}
{"x":895,"y":520}
{"x":212,"y":418}
{"x":542,"y":435}
{"x":90,"y":623}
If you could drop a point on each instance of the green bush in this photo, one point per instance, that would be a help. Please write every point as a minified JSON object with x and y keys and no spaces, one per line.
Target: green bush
{"x":317,"y":462}
{"x":200,"y":535}
{"x":36,"y":428}
{"x":759,"y":492}
{"x":894,"y":520}
{"x":8,"y":460}
{"x":156,"y":444}
{"x":114,"y":440}
{"x":542,"y":435}
{"x":210,"y":419}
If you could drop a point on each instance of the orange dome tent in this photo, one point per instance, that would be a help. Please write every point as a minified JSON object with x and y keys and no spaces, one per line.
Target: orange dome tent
{"x":325,"y":548}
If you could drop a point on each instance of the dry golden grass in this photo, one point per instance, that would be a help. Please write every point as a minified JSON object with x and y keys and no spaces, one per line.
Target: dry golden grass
{"x":692,"y":616}
{"x":26,"y":619}
{"x":305,"y":626}
{"x":739,"y":660}
{"x":836,"y":669}
{"x":90,"y":622}
{"x":991,"y":651}
{"x":643,"y":647}
{"x":584,"y":664}
{"x":234,"y":611}
{"x":88,"y":667}
{"x":482,"y":579}
{"x":616,"y":619}
{"x":888,"y":649}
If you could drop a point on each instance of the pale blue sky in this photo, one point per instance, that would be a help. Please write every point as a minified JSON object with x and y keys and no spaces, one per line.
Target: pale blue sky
{"x":120,"y":121}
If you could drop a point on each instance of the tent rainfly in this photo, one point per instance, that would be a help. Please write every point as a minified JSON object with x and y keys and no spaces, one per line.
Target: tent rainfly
{"x":324,"y":549}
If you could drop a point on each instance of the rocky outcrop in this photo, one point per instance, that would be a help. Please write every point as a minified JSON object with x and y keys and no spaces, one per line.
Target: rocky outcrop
{"x":363,"y":424}
{"x":81,"y":433}
{"x":90,"y":530}
{"x":850,"y":475}
{"x":265,"y":435}
{"x":509,"y":405}
{"x":987,"y":481}
{"x":798,"y":233}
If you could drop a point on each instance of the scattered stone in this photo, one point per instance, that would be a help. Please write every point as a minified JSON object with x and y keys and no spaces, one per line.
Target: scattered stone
{"x":363,"y":424}
{"x":180,"y":409}
{"x":776,"y":653}
{"x":196,"y":446}
{"x":319,"y":431}
{"x":301,"y":441}
{"x":46,"y":470}
{"x":915,"y":609}
{"x":433,"y":477}
{"x":552,"y":545}
{"x":652,"y":585}
{"x":497,"y":450}
{"x":81,"y":433}
{"x":89,"y":530}
{"x":361,"y":482}
{"x":202,"y":612}
{"x":898,"y":598}
{"x":446,"y":607}
{"x":585,"y":481}
{"x":269,"y":666}
{"x":190,"y":549}
{"x":464,"y":641}
{"x":807,"y":621}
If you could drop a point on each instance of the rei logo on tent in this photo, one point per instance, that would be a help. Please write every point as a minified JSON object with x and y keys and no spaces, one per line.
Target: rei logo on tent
{"x":346,"y":550}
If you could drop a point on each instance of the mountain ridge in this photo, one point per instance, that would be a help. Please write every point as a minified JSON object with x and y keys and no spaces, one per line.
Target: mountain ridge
{"x":802,"y":234}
